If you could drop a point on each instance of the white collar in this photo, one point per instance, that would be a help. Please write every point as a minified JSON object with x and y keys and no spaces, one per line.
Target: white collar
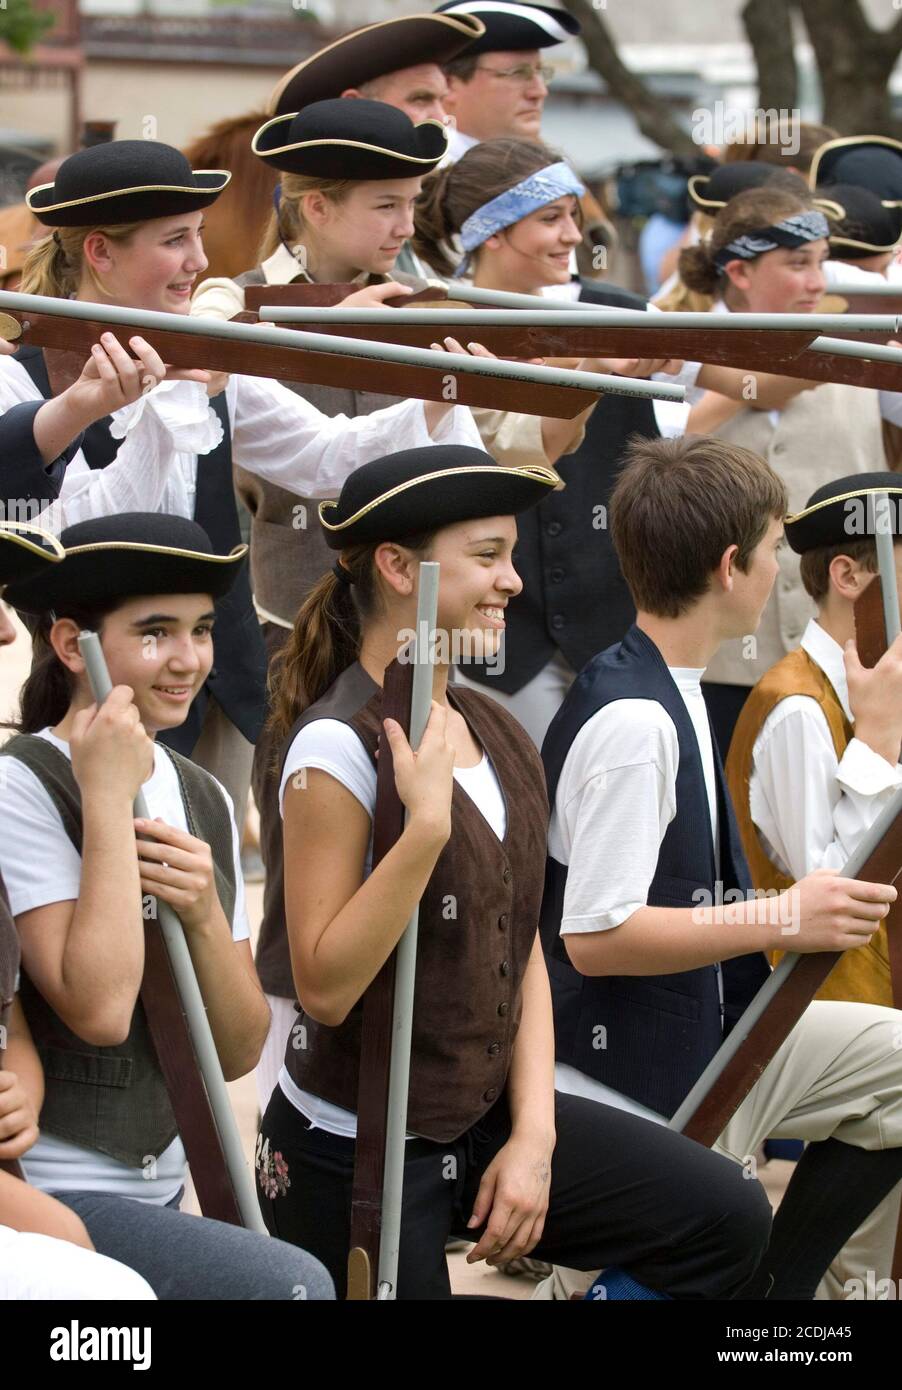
{"x":281,"y":268}
{"x":826,"y":652}
{"x":458,"y":144}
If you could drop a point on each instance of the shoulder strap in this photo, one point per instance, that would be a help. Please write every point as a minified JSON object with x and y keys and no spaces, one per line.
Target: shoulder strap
{"x":207,"y":813}
{"x":54,"y":771}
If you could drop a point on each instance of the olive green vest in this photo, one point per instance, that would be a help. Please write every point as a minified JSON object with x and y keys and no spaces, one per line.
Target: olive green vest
{"x":113,"y":1099}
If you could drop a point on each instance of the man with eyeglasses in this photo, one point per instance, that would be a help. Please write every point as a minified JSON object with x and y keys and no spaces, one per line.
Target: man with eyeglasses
{"x":498,"y":86}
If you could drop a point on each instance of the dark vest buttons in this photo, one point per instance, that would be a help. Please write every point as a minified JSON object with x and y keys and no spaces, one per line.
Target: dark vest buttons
{"x":558,"y":621}
{"x":505,"y":967}
{"x":494,"y":1048}
{"x":503,"y":1010}
{"x":558,"y":574}
{"x":554,"y":528}
{"x":508,"y":874}
{"x":490,"y":1094}
{"x":503,"y":921}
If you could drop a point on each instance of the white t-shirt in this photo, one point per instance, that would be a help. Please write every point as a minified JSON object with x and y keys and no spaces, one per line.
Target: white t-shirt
{"x":333,"y":747}
{"x":30,"y":819}
{"x":614,"y":801}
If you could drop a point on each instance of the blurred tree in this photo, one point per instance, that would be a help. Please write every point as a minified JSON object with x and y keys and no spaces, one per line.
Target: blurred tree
{"x":21,"y":26}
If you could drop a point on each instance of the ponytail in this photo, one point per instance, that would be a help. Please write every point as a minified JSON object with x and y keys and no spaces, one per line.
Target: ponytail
{"x":328,"y":632}
{"x":433,"y":225}
{"x":697,"y":270}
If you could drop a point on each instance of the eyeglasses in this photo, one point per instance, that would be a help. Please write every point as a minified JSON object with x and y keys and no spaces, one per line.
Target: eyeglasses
{"x":524,"y":73}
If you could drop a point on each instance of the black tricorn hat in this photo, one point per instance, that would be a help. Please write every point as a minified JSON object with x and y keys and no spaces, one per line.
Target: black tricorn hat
{"x":371,"y":52}
{"x":711,"y":192}
{"x":124,"y":181}
{"x":26,"y":551}
{"x":125,"y":556}
{"x":359,"y":139}
{"x":514,"y":27}
{"x":840,"y":511}
{"x":424,"y":489}
{"x":873,"y":161}
{"x":863,"y":225}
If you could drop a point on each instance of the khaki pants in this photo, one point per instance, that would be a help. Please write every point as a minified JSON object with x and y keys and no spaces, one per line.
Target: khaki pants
{"x":838,"y":1074}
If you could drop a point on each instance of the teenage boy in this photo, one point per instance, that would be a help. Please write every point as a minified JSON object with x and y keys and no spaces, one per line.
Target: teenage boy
{"x":648,"y":967}
{"x":815,"y":753}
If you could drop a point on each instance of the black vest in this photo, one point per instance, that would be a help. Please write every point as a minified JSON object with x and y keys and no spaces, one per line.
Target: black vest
{"x":574,"y":597}
{"x":9,"y":964}
{"x":238,"y":678}
{"x":660,"y":1031}
{"x":113,"y":1099}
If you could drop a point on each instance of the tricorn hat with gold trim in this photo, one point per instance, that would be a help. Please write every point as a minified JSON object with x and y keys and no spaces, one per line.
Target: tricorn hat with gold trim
{"x":424,"y":489}
{"x":124,"y":181}
{"x":25,"y":551}
{"x":839,"y":512}
{"x":873,"y":161}
{"x":351,"y":139}
{"x":125,"y":556}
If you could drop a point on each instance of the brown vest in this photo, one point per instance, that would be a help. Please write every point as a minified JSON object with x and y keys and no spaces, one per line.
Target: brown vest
{"x":9,"y":964}
{"x":288,"y":552}
{"x":863,"y":974}
{"x":478,"y":922}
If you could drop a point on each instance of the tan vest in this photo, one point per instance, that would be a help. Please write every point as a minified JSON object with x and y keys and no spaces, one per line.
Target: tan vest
{"x":822,"y":434}
{"x":863,"y":974}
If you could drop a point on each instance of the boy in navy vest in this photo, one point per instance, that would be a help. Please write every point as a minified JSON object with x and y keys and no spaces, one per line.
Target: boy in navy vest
{"x":655,"y":941}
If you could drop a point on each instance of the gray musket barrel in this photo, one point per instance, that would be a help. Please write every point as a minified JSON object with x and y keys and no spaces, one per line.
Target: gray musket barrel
{"x":873,"y":352}
{"x":189,"y":993}
{"x":423,"y":652}
{"x":886,"y":561}
{"x":740,"y":1032}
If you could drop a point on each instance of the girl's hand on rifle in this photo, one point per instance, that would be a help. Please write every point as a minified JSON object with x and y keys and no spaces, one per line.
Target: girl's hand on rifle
{"x":112,"y":378}
{"x":18,"y":1121}
{"x":425,"y":779}
{"x":111,"y":752}
{"x":374,"y":296}
{"x":512,"y":1201}
{"x":630,"y":366}
{"x":177,"y":868}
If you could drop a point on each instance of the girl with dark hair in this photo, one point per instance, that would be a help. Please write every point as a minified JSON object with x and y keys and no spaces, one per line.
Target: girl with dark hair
{"x":492,"y":1154}
{"x":80,"y":883}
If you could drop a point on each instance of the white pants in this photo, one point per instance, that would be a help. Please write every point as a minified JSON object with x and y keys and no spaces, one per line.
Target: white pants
{"x":839,"y":1075}
{"x":42,"y":1267}
{"x":273,"y":1054}
{"x":537,"y":702}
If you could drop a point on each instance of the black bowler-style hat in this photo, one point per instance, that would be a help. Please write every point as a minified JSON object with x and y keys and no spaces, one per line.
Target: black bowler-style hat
{"x":372,"y":52}
{"x":351,"y":140}
{"x":125,"y":556}
{"x":873,"y":161}
{"x":424,"y":489}
{"x":514,"y":27}
{"x":26,"y":551}
{"x":124,"y":181}
{"x":863,"y":224}
{"x":711,"y":192}
{"x":839,"y":511}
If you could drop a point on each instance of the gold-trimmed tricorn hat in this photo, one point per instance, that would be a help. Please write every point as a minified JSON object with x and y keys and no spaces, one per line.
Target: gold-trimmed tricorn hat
{"x":839,"y":511}
{"x":357,"y":139}
{"x":25,"y":551}
{"x":126,"y":556}
{"x":862,"y":224}
{"x":424,"y":489}
{"x":372,"y":52}
{"x":873,"y":161}
{"x":124,"y":181}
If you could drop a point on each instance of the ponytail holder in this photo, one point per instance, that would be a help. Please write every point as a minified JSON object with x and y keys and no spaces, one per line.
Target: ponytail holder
{"x":341,"y":574}
{"x":57,"y":240}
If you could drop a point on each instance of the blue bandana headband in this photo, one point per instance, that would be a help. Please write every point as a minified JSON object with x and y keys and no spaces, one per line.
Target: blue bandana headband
{"x":792,"y":231}
{"x":516,"y":203}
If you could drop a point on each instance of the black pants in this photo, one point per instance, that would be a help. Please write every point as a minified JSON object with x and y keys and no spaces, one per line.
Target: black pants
{"x":624,"y":1191}
{"x":724,"y":707}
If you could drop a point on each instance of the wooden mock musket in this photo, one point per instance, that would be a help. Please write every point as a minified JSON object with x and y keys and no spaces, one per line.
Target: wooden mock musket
{"x":388,"y":1002}
{"x":259,"y":349}
{"x":531,"y":326}
{"x":183,"y":1041}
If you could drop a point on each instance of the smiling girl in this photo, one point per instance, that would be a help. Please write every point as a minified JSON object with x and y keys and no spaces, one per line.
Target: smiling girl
{"x":79,"y":884}
{"x":493,"y":1154}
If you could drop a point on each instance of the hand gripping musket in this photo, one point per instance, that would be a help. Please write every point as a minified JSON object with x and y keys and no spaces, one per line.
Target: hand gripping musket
{"x":388,"y":1002}
{"x":530,"y":326}
{"x":183,"y":1040}
{"x":260,"y":349}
